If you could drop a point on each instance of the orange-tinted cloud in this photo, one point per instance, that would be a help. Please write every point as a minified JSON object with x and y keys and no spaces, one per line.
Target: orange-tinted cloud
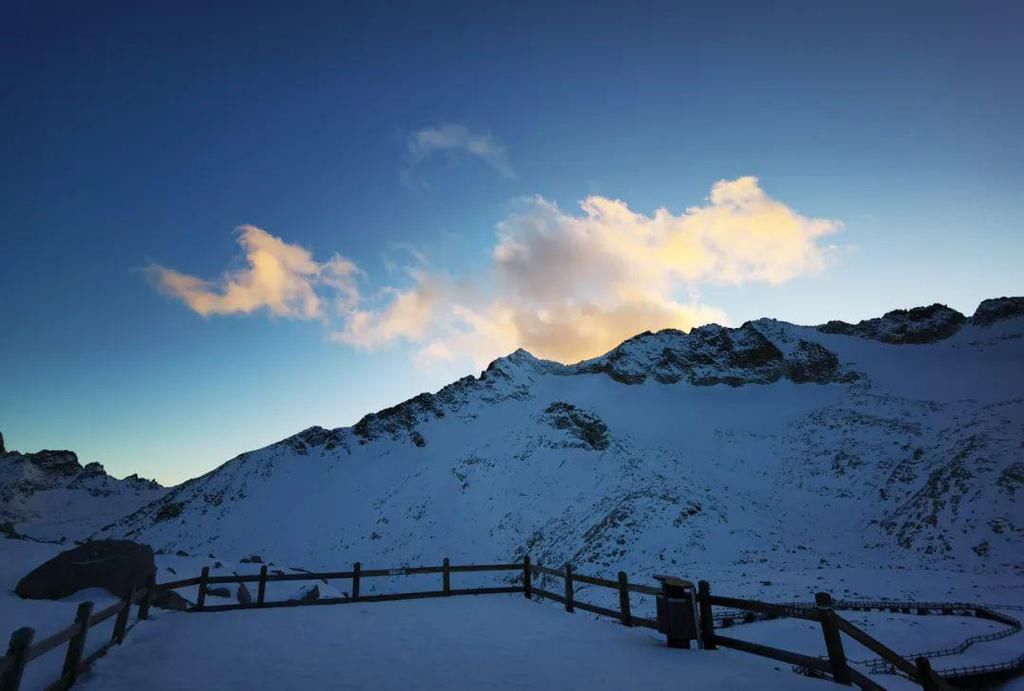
{"x":565,"y":286}
{"x":570,"y":286}
{"x":280,"y":278}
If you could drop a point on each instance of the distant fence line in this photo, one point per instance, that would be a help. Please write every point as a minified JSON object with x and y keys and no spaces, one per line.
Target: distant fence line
{"x":732,"y":617}
{"x":834,"y":666}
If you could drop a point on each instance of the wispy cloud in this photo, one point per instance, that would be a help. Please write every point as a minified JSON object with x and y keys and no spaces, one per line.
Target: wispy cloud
{"x":564,"y":285}
{"x":454,"y":138}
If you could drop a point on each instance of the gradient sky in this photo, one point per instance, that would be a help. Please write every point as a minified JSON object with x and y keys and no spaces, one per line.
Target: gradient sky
{"x":137,"y":138}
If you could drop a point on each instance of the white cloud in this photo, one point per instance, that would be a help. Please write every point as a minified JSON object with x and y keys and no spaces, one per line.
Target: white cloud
{"x":563,"y":285}
{"x":425,"y":143}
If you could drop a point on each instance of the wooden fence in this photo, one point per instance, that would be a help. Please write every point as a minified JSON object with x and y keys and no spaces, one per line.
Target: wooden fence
{"x":21,"y":649}
{"x":835,"y":666}
{"x":728,"y":617}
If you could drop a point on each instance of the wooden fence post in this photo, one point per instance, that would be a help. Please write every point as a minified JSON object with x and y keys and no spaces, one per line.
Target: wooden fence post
{"x":924,"y":670}
{"x":624,"y":612}
{"x":17,"y":650}
{"x":707,"y":621}
{"x":73,"y":658}
{"x":147,"y":597}
{"x":201,"y":598}
{"x":261,"y":589}
{"x":568,"y":588}
{"x":833,"y":643}
{"x":446,"y":576}
{"x":121,"y":623}
{"x":356,"y":568}
{"x":527,"y":578}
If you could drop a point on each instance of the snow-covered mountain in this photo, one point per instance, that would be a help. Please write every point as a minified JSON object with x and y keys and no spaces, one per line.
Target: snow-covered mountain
{"x":49,"y":495}
{"x":897,"y":441}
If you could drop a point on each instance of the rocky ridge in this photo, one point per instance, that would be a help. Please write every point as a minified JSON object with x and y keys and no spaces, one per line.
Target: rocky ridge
{"x":763,"y":444}
{"x":49,"y":494}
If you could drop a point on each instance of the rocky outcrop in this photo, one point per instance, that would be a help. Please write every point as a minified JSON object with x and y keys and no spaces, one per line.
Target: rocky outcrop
{"x":56,"y":463}
{"x":115,"y":565}
{"x":918,"y":325}
{"x":812,"y":362}
{"x":714,"y":354}
{"x":998,"y":309}
{"x":588,"y":429}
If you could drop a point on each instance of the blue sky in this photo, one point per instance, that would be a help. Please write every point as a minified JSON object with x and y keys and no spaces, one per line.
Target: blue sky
{"x":140,"y":136}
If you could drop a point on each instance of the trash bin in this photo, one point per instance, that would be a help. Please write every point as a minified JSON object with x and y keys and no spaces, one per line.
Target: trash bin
{"x":677,"y":611}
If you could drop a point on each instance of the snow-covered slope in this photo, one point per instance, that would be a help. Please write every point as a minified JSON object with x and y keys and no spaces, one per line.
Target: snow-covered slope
{"x":49,"y":495}
{"x":770,"y":448}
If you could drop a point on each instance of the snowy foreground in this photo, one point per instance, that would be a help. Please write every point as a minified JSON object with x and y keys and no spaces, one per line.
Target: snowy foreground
{"x":461,"y":642}
{"x":502,"y":642}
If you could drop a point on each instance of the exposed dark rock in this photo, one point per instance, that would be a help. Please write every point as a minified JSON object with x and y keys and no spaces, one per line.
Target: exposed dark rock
{"x":244,"y":598}
{"x":989,"y":311}
{"x":582,"y":424}
{"x":400,"y":419}
{"x":114,"y":565}
{"x":170,"y":599}
{"x":220,"y":591}
{"x":168,"y":511}
{"x":3,"y":449}
{"x":254,"y":559}
{"x":59,"y":463}
{"x":812,"y":362}
{"x":918,"y":325}
{"x":1011,"y":479}
{"x":711,"y":355}
{"x":306,"y":593}
{"x":181,"y":553}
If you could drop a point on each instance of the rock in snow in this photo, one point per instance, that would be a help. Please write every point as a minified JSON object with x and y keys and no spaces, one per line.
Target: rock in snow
{"x":170,"y":599}
{"x":306,"y":593}
{"x":115,"y":565}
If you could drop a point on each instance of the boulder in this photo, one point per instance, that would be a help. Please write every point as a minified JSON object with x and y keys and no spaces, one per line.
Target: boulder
{"x":114,"y":565}
{"x":306,"y":593}
{"x":169,"y":599}
{"x":221,"y":591}
{"x":244,"y":598}
{"x":254,"y":559}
